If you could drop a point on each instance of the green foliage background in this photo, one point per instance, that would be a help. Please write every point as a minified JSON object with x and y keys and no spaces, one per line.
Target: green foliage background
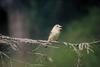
{"x":83,"y":29}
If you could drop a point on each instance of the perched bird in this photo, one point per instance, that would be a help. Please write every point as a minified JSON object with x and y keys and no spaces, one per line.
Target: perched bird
{"x":55,"y":32}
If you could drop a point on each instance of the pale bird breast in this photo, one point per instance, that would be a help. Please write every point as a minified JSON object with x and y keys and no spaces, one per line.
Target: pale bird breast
{"x":55,"y":30}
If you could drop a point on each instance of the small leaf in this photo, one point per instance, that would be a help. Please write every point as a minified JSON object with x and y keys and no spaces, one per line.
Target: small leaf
{"x":81,"y":46}
{"x":66,"y":43}
{"x":50,"y":59}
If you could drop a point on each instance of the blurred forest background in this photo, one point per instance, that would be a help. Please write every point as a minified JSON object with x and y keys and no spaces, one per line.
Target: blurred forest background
{"x":35,"y":18}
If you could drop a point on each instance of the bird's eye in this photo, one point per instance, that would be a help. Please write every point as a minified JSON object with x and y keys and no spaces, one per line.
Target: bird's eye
{"x":57,"y":26}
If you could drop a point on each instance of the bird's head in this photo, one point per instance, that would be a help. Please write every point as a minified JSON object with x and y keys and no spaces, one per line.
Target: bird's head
{"x":57,"y":26}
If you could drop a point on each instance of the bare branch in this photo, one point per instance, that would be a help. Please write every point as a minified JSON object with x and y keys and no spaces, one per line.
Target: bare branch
{"x":4,"y":39}
{"x":13,"y":42}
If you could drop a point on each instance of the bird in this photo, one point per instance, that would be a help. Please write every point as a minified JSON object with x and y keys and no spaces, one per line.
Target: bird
{"x":55,"y":33}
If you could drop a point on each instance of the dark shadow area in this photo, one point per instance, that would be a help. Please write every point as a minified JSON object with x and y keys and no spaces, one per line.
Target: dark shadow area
{"x":3,"y":21}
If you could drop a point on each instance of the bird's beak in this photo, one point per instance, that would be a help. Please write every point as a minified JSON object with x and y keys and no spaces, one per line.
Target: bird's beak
{"x":60,"y":27}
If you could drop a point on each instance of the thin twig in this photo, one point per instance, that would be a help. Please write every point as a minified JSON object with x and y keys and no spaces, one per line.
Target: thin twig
{"x":95,"y":42}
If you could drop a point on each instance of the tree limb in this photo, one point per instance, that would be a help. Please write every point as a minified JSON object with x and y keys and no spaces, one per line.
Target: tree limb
{"x":3,"y":39}
{"x":17,"y":41}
